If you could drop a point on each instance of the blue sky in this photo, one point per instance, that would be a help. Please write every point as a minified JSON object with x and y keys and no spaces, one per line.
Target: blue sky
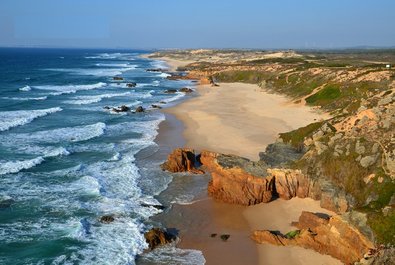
{"x":197,"y":23}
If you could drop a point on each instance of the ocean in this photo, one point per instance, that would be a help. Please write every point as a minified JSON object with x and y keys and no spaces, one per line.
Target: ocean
{"x":66,"y":160}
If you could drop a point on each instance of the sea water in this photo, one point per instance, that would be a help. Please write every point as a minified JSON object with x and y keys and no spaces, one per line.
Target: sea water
{"x":66,"y":160}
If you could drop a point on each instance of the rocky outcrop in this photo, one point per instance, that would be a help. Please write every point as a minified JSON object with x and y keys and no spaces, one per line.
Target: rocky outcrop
{"x":237,"y":180}
{"x":279,"y":154}
{"x":157,"y":237}
{"x":290,"y":183}
{"x":326,"y":235}
{"x":182,"y":160}
{"x":118,"y":78}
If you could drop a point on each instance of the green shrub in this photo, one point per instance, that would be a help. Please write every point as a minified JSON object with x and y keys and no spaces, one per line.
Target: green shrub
{"x":325,"y":95}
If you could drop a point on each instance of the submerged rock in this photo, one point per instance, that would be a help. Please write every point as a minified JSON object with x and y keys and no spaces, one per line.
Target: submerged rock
{"x":118,"y":78}
{"x":181,"y":160}
{"x":157,"y":237}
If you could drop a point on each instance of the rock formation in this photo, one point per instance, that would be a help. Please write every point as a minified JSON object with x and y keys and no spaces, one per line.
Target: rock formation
{"x":181,"y":160}
{"x":326,"y":235}
{"x":235,"y":180}
{"x":157,"y":237}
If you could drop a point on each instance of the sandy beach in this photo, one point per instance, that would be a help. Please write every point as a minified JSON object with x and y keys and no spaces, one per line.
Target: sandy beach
{"x":239,"y":119}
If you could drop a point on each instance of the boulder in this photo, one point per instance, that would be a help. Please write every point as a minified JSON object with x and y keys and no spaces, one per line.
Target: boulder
{"x":106,"y":219}
{"x":139,"y":109}
{"x":181,"y":160}
{"x":122,"y":108}
{"x":326,"y":235}
{"x":157,"y":237}
{"x":118,"y":78}
{"x":156,"y":106}
{"x":186,"y":90}
{"x":155,"y":70}
{"x":171,"y":91}
{"x":130,"y":85}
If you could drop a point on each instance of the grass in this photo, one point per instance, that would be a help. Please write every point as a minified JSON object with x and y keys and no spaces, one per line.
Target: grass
{"x":292,"y":234}
{"x":296,"y":137}
{"x":383,"y":226}
{"x":324,"y":96}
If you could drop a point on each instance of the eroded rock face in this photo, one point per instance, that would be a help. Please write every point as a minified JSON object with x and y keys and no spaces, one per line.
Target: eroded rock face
{"x":233,"y":180}
{"x":327,"y":235}
{"x":157,"y":237}
{"x":181,"y":160}
{"x":290,"y":183}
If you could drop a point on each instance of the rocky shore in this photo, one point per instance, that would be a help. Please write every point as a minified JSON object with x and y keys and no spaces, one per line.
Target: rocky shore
{"x":345,"y":161}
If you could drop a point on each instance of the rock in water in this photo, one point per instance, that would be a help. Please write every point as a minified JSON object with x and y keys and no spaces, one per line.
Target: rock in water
{"x":157,"y":237}
{"x":139,"y":109}
{"x":181,"y":160}
{"x":106,"y":219}
{"x":118,"y":78}
{"x":186,"y":90}
{"x":171,"y":91}
{"x":132,"y":84}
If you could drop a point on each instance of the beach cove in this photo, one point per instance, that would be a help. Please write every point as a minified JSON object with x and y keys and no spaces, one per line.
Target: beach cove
{"x":239,"y":119}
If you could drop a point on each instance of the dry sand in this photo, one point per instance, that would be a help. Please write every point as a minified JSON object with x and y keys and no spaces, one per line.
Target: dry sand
{"x":240,"y":119}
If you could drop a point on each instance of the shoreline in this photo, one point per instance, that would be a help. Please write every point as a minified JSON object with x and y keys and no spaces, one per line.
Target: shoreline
{"x":198,"y":220}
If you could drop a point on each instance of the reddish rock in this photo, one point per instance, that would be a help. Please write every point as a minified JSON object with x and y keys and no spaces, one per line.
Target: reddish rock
{"x":327,"y":235}
{"x":290,"y":183}
{"x":234,"y":184}
{"x":181,"y":160}
{"x":157,"y":237}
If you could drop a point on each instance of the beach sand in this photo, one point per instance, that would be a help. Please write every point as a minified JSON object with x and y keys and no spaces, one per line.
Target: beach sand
{"x":239,"y":119}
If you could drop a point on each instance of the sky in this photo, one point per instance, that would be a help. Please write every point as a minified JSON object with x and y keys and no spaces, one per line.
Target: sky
{"x":147,"y":24}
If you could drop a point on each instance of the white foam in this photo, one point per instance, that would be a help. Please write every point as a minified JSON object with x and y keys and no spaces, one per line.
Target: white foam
{"x":8,"y":167}
{"x":25,"y":99}
{"x":25,"y":88}
{"x":124,"y":65}
{"x":67,"y":134}
{"x":172,"y":255}
{"x":68,"y":89}
{"x":16,"y":166}
{"x":177,"y":96}
{"x":83,"y":100}
{"x":164,"y":75}
{"x":87,"y":185}
{"x":111,"y":56}
{"x":9,"y":119}
{"x":159,"y":64}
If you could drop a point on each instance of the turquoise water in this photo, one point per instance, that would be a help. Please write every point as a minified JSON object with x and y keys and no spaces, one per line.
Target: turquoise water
{"x":65,"y":161}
